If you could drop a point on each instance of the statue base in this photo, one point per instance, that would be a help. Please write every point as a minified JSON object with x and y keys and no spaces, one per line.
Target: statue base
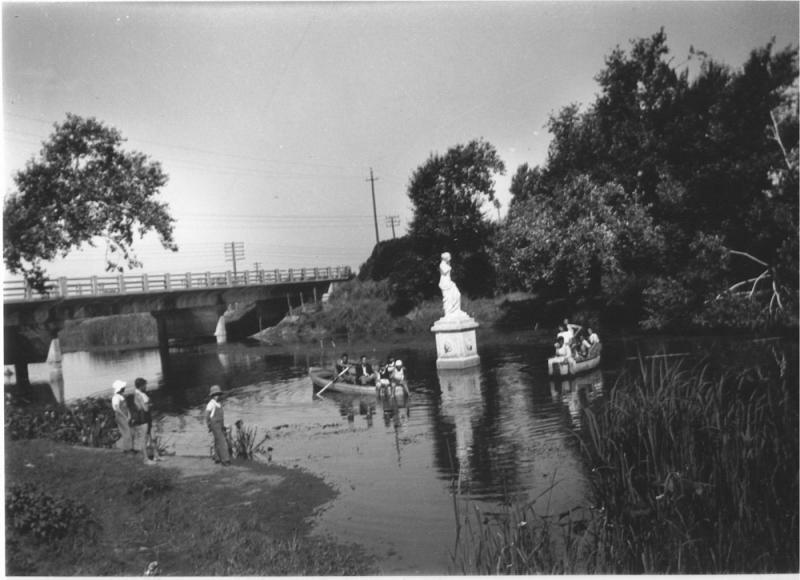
{"x":456,"y":347}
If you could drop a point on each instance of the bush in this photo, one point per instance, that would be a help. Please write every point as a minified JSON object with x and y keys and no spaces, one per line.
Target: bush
{"x":88,"y":422}
{"x":150,"y":484}
{"x":29,"y":510}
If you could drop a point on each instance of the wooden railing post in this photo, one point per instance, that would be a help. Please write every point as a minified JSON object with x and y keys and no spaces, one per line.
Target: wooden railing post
{"x":167,"y":282}
{"x":208,"y":279}
{"x":228,"y":278}
{"x":93,"y":282}
{"x":121,"y":284}
{"x":145,"y":283}
{"x":188,"y":280}
{"x":277,"y":275}
{"x":246,"y":277}
{"x":63,"y":287}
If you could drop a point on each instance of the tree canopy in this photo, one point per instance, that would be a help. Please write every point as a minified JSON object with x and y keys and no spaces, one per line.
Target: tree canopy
{"x":708,"y":164}
{"x":82,"y":189}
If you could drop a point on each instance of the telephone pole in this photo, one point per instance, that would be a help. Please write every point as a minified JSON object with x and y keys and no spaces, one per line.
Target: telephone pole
{"x":234,"y":251}
{"x":374,"y":211}
{"x":392,"y":220}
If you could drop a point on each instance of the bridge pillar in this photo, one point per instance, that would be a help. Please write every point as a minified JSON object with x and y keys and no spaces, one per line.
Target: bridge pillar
{"x":54,"y":353}
{"x":221,"y":332}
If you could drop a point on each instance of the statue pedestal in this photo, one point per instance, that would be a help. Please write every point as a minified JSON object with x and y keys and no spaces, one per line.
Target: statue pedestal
{"x":456,"y":347}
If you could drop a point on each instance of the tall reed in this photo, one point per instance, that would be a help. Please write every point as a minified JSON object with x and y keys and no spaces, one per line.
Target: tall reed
{"x":697,"y":473}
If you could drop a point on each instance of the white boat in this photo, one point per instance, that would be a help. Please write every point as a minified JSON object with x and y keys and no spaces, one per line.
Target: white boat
{"x":558,"y":366}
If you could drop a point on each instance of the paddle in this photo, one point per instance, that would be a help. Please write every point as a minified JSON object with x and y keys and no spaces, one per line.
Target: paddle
{"x":319,"y":393}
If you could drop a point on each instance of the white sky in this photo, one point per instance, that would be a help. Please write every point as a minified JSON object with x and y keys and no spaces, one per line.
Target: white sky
{"x":268,"y":116}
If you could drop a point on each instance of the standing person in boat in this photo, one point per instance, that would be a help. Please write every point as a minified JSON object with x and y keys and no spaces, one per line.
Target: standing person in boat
{"x":364,"y":373}
{"x":215,"y":421}
{"x":398,"y":377}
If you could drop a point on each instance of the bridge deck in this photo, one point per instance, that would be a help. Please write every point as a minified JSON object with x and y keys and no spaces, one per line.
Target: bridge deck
{"x":17,"y":290}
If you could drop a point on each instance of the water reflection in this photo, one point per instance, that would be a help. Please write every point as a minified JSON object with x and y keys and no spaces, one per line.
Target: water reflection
{"x":462,"y":407}
{"x":578,"y":393}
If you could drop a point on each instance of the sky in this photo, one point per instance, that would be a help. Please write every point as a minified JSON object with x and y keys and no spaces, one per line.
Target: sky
{"x":270,"y":117}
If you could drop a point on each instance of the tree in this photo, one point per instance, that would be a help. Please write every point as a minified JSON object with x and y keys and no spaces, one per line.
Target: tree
{"x":448,"y":192}
{"x":82,"y":189}
{"x":713,"y":159}
{"x":583,"y":242}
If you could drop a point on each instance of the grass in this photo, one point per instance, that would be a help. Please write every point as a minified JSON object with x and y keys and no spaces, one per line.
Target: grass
{"x":252,"y":519}
{"x":693,"y":472}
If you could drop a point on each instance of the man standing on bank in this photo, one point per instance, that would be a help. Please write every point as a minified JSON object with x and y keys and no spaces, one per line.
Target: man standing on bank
{"x":145,"y":420}
{"x":215,"y":420}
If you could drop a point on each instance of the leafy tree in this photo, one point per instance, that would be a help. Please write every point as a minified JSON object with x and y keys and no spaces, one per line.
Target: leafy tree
{"x":83,"y":188}
{"x":448,"y":193}
{"x":582,"y":242}
{"x":711,"y":158}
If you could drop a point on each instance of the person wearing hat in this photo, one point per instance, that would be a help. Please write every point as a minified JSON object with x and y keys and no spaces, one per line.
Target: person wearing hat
{"x":123,"y":416}
{"x":215,"y":420}
{"x":398,"y":376}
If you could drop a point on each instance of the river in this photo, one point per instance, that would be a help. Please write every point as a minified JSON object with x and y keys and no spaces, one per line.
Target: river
{"x":499,"y":430}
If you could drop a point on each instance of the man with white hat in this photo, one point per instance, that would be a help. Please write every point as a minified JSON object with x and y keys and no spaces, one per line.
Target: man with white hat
{"x":123,"y":416}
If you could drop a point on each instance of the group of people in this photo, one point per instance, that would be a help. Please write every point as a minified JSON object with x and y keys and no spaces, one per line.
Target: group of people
{"x":135,"y":421}
{"x":391,"y":373}
{"x":575,"y":342}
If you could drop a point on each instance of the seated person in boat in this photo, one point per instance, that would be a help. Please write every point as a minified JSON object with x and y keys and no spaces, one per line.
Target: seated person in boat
{"x":594,"y":342}
{"x":385,"y":372}
{"x":563,"y":351}
{"x":345,"y":369}
{"x":364,"y":373}
{"x":398,"y":376}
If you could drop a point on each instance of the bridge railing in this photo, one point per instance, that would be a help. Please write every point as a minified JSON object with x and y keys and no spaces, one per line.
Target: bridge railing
{"x":18,"y":290}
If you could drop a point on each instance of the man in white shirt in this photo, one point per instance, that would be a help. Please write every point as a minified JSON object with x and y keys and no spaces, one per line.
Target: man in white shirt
{"x":123,"y":416}
{"x":215,"y":421}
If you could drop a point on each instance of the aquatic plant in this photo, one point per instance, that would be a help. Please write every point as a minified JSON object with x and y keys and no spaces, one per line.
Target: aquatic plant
{"x":697,"y":473}
{"x":89,"y":422}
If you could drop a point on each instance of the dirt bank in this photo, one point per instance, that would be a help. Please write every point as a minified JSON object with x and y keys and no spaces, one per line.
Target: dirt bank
{"x":190,"y":515}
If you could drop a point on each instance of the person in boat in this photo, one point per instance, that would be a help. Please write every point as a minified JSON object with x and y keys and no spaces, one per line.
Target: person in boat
{"x":563,"y":350}
{"x":344,"y":369}
{"x":569,"y":332}
{"x":385,"y":372}
{"x":398,"y":376}
{"x":594,"y":342}
{"x":364,"y":373}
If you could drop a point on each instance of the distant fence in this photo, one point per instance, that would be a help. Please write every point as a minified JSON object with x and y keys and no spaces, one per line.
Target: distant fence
{"x":142,"y":283}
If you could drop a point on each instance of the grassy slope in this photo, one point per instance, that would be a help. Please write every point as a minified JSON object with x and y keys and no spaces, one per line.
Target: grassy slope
{"x":250,"y":519}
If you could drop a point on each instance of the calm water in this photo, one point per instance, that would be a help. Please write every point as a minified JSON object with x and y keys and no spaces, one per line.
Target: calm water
{"x":499,"y":429}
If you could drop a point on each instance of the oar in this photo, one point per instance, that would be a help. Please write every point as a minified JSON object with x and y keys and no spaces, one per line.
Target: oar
{"x":319,"y":393}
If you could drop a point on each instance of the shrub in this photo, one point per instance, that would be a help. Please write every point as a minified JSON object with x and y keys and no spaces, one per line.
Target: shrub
{"x":150,"y":484}
{"x":88,"y":422}
{"x":29,"y":510}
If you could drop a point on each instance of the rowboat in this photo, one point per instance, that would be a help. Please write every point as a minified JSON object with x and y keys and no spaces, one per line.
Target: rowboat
{"x":322,"y":377}
{"x":558,"y":367}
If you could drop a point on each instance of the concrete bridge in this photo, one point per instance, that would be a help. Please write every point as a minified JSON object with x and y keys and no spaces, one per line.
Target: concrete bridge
{"x":187,"y":306}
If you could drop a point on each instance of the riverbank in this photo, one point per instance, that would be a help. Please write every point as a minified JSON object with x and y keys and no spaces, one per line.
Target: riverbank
{"x":186,"y":513}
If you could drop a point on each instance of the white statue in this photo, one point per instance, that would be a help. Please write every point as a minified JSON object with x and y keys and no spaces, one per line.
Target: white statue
{"x":451,"y":297}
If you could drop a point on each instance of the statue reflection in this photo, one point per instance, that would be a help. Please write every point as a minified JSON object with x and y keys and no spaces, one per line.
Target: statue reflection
{"x":461,"y":405}
{"x":578,"y":393}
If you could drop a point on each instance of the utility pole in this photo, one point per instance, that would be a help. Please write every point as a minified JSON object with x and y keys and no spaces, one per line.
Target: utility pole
{"x":392,"y":220}
{"x":374,"y":211}
{"x":234,"y":251}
